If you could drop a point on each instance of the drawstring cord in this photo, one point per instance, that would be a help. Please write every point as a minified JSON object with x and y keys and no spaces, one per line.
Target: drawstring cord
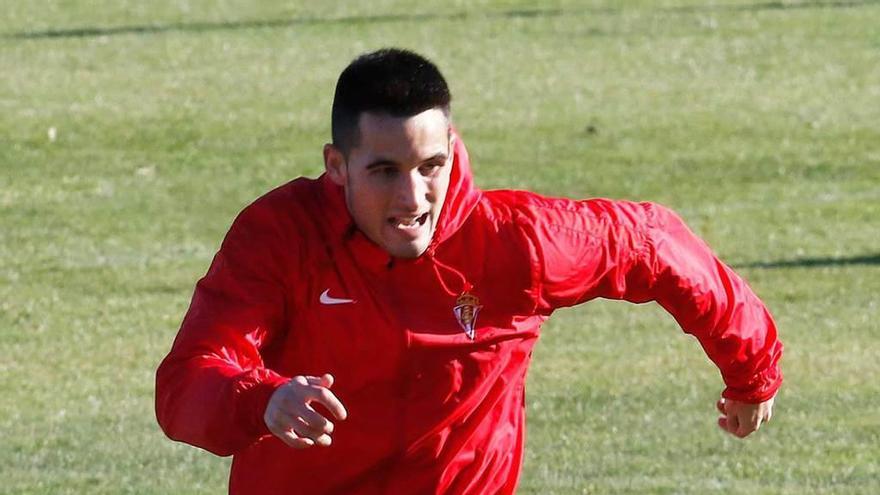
{"x":467,"y":306}
{"x":466,"y":286}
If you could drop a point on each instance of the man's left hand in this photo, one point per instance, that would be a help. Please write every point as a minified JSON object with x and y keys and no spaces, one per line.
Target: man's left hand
{"x":741,"y":418}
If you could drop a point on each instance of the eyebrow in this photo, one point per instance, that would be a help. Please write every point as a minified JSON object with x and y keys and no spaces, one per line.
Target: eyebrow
{"x":383,"y":162}
{"x":439,"y":156}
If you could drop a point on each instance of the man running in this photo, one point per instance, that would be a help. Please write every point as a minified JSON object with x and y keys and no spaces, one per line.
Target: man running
{"x":369,"y":331}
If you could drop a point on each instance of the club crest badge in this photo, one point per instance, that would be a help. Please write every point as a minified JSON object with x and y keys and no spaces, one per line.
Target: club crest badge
{"x":467,"y":307}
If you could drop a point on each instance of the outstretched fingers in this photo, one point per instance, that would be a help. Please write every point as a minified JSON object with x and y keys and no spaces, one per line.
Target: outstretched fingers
{"x":322,"y":395}
{"x":290,"y":416}
{"x":289,"y":429}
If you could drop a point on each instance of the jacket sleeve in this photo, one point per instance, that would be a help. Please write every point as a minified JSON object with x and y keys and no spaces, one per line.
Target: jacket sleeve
{"x":643,"y":252}
{"x":213,"y":387}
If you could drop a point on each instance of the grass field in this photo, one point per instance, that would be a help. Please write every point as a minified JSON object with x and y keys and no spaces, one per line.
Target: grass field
{"x":132,"y":132}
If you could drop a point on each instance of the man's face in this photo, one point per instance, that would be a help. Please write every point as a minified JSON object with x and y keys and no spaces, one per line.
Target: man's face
{"x":396,"y":178}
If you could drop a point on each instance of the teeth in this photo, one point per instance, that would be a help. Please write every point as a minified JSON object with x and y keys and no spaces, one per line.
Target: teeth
{"x":407,"y":222}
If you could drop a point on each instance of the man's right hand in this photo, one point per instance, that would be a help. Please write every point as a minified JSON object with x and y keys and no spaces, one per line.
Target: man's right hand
{"x":290,"y":417}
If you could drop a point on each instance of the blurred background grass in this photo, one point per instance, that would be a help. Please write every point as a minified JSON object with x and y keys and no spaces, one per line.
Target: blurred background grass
{"x":131,"y":133}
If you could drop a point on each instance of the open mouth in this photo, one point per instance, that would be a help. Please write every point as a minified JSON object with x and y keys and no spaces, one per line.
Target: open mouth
{"x":408,"y":223}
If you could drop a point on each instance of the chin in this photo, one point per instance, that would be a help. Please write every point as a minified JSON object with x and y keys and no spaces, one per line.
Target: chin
{"x":408,"y":250}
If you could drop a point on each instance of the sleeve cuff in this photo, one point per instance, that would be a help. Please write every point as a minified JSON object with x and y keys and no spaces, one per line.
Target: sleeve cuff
{"x":761,"y":388}
{"x":254,"y":391}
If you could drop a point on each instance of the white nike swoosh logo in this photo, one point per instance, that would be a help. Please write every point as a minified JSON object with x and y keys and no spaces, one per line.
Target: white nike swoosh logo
{"x":326,"y":299}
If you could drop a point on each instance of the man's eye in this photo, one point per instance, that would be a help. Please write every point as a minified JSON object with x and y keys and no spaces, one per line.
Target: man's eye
{"x":430,"y":168}
{"x":386,"y":172}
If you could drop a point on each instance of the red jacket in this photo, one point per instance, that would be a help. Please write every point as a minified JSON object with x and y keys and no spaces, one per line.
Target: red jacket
{"x":429,"y":409}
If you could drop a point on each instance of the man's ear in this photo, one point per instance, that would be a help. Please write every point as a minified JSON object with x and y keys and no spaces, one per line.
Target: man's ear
{"x":451,"y":132}
{"x":334,"y":164}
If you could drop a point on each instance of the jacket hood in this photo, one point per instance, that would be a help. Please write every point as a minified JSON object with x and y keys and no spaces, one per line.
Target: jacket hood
{"x":461,"y":198}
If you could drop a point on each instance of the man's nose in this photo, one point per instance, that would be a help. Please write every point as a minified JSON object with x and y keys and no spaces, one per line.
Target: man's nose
{"x":411,"y":190}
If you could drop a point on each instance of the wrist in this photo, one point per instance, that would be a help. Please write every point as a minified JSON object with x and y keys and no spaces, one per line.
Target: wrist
{"x":254,"y":391}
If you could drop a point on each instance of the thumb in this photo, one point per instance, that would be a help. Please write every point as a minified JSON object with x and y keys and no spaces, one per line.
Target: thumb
{"x":327,"y":380}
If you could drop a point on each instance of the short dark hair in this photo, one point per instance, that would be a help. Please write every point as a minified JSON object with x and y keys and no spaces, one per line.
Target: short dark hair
{"x":393,"y":81}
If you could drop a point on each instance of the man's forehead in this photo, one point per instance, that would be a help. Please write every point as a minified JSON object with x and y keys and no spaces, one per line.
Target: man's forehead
{"x":424,"y":133}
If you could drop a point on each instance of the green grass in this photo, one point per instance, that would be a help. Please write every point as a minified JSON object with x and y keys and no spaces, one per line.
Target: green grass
{"x":755,"y":120}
